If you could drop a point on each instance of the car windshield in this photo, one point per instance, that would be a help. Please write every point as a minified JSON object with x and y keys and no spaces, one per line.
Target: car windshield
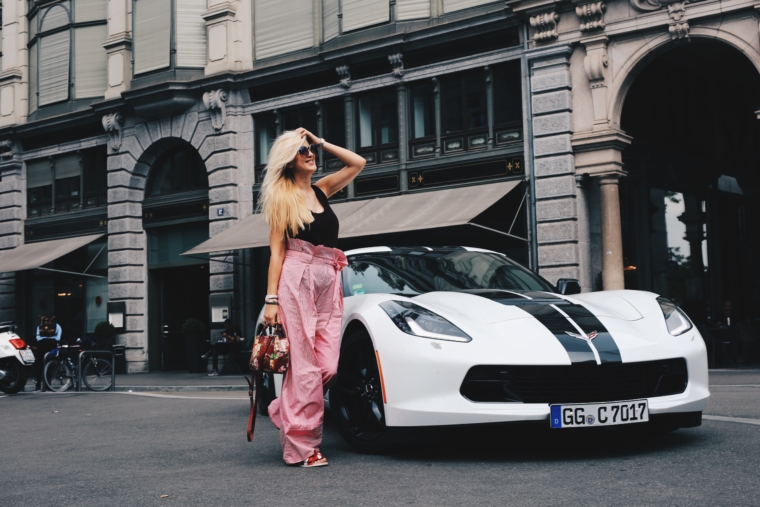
{"x":412,"y":272}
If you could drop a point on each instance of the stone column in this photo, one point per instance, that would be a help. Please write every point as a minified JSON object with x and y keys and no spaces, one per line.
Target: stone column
{"x":553,"y":165}
{"x":584,"y":233}
{"x":229,"y":29}
{"x":12,"y":197}
{"x":118,"y":47}
{"x":14,"y":85}
{"x":612,"y":236}
{"x":599,"y":154}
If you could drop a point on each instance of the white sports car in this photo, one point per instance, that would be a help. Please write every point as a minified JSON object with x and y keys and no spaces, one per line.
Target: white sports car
{"x":459,"y":336}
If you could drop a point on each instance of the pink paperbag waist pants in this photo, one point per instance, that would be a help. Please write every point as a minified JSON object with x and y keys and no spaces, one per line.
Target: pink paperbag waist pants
{"x":311,"y":311}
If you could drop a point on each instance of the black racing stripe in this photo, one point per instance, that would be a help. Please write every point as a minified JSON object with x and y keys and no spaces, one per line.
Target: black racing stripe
{"x":604,"y":343}
{"x":542,"y":296}
{"x":579,"y":350}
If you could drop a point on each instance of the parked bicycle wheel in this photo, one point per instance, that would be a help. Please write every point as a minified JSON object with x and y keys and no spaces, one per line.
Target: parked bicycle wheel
{"x":58,"y":375}
{"x":96,"y":374}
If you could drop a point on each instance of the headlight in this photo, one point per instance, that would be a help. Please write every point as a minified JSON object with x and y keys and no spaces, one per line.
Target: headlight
{"x":418,"y":321}
{"x":677,"y":321}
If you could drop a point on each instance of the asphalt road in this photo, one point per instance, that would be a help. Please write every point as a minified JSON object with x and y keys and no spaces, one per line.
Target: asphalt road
{"x":96,"y":449}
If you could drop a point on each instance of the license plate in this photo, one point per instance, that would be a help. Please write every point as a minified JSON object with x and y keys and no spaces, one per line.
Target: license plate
{"x":590,"y":415}
{"x":27,"y":356}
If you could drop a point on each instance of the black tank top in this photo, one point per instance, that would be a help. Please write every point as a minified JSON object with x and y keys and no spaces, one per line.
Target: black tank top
{"x":324,"y":229}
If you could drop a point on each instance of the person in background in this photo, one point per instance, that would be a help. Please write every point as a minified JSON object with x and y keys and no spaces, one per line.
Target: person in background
{"x":48,"y":336}
{"x":728,"y":317}
{"x":230,"y":341}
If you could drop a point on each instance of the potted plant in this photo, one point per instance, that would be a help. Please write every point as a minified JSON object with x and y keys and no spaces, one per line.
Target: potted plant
{"x":195,"y":337}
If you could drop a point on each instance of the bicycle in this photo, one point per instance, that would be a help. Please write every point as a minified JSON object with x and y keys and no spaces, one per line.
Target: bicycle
{"x":61,"y":373}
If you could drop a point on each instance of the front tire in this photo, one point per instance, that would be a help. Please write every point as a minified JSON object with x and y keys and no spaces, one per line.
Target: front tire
{"x":58,"y":375}
{"x":356,"y":399}
{"x":15,"y":378}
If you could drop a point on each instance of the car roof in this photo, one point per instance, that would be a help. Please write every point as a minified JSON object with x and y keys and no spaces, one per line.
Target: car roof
{"x":390,"y":249}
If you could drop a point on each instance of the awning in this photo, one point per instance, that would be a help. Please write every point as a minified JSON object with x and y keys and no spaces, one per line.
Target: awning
{"x":34,"y":255}
{"x":428,"y":210}
{"x":410,"y":212}
{"x":253,"y":231}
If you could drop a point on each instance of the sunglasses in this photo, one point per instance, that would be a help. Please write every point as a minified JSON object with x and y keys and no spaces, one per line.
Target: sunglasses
{"x":304,"y":150}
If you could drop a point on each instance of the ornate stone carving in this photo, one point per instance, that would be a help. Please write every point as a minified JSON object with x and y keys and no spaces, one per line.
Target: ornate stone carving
{"x":6,"y":149}
{"x":594,"y":65}
{"x":397,"y":62}
{"x":215,"y":102}
{"x":647,"y":5}
{"x":112,"y":124}
{"x":591,"y":16}
{"x":679,"y":27}
{"x":545,"y":25}
{"x":344,"y":75}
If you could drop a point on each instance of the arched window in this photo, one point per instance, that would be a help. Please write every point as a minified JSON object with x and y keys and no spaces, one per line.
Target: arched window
{"x":180,"y":169}
{"x":66,"y":56}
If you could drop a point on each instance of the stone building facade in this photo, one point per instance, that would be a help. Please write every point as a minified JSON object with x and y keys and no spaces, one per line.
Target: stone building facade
{"x":106,"y":106}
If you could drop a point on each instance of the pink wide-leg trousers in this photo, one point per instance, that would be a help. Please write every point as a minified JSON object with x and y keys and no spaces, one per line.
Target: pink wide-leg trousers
{"x":311,"y":311}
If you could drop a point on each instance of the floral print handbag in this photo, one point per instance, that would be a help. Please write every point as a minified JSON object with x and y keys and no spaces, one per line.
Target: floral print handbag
{"x":271,"y":351}
{"x":271,"y":354}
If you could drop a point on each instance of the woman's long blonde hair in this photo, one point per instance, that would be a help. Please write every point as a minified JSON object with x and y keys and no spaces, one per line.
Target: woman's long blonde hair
{"x":280,"y":199}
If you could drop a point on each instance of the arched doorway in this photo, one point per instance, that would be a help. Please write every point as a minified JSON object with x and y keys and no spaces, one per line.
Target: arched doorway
{"x":175,"y":218}
{"x":689,"y":205}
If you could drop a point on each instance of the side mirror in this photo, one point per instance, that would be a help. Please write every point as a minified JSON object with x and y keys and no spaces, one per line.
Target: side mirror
{"x":568,"y":286}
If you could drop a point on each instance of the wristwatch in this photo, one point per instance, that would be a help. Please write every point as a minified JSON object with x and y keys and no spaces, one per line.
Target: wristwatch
{"x":321,"y":143}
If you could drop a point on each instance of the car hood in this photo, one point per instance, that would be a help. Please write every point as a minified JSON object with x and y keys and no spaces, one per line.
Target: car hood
{"x":491,"y":306}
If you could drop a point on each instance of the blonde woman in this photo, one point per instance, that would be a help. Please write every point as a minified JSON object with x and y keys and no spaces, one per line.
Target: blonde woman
{"x":304,"y":291}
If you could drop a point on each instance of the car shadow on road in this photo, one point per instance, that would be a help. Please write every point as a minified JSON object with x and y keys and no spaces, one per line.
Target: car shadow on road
{"x":521,"y":443}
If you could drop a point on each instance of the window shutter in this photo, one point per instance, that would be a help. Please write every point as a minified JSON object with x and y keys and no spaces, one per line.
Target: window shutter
{"x":191,"y":33}
{"x":38,"y":173}
{"x":90,"y":61}
{"x":329,"y":19}
{"x":67,"y":166}
{"x":282,"y":26}
{"x":152,"y":34}
{"x":54,"y":68}
{"x":458,"y":5}
{"x":361,"y":13}
{"x":412,"y":9}
{"x":55,"y":17}
{"x":90,"y":10}
{"x":33,"y":71}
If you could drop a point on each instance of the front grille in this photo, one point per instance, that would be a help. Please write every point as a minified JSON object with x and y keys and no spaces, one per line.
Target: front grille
{"x":575,"y":383}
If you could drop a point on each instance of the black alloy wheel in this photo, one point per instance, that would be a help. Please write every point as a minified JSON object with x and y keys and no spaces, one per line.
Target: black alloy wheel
{"x":15,"y":377}
{"x":356,"y":399}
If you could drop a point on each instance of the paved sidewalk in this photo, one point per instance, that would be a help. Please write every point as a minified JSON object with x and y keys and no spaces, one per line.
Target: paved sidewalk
{"x":174,"y":381}
{"x":178,"y":381}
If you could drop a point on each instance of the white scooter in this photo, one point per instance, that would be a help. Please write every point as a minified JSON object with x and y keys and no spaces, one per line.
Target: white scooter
{"x":16,"y":359}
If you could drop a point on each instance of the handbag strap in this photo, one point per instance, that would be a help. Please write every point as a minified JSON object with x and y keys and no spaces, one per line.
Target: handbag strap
{"x":254,"y":385}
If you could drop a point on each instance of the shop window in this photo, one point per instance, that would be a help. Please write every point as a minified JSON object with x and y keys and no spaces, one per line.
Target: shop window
{"x":305,"y":117}
{"x":464,"y":116}
{"x":507,"y":98}
{"x":67,"y":182}
{"x":377,"y":135}
{"x":95,"y":174}
{"x":334,"y":130}
{"x":180,"y":169}
{"x":265,"y":126}
{"x":422,"y":104}
{"x":66,"y":38}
